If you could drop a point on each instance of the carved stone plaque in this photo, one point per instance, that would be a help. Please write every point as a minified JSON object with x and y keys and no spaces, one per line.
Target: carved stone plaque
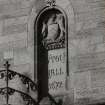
{"x":57,"y":71}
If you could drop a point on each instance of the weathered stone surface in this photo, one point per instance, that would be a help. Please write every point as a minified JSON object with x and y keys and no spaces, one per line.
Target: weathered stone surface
{"x":1,"y":28}
{"x":82,"y":85}
{"x":86,"y":43}
{"x":97,"y":84}
{"x":20,"y":28}
{"x":2,"y":100}
{"x":20,"y":44}
{"x":96,"y":15}
{"x":23,"y":69}
{"x":63,"y":3}
{"x":21,"y":57}
{"x":39,"y":4}
{"x":92,"y":61}
{"x":15,"y":21}
{"x":98,"y":78}
{"x":8,"y":6}
{"x":12,"y":38}
{"x":93,"y":4}
{"x":100,"y":47}
{"x":15,"y":25}
{"x":13,"y":45}
{"x":1,"y":60}
{"x":8,"y":54}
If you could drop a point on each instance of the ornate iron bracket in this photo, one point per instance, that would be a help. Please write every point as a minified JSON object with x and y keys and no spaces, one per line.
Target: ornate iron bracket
{"x":6,"y":91}
{"x":6,"y":76}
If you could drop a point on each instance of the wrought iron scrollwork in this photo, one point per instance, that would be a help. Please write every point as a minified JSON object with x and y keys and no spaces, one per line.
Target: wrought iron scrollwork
{"x":3,"y":91}
{"x":3,"y":74}
{"x":7,"y":76}
{"x":28,"y":99}
{"x":7,"y":92}
{"x":25,"y":80}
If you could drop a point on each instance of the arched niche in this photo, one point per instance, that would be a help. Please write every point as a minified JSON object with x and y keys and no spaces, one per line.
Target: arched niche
{"x":51,"y":30}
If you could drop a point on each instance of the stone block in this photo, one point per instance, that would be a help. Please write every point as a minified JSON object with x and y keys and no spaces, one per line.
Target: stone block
{"x":13,"y":45}
{"x":24,"y":69}
{"x":100,"y":47}
{"x":97,"y":84}
{"x":20,"y":28}
{"x":82,"y":85}
{"x":93,"y":4}
{"x":63,"y":3}
{"x":8,"y":6}
{"x":21,"y":57}
{"x":1,"y":60}
{"x":6,"y":46}
{"x":96,"y":39}
{"x":19,"y":44}
{"x":1,"y":27}
{"x":26,"y":3}
{"x":30,"y":51}
{"x":16,"y":20}
{"x":2,"y":100}
{"x":89,"y":24}
{"x":98,"y":78}
{"x":86,"y":62}
{"x":98,"y":31}
{"x":39,"y":4}
{"x":72,"y":47}
{"x":15,"y":13}
{"x":96,"y":15}
{"x":13,"y":38}
{"x":8,"y":54}
{"x":15,"y":25}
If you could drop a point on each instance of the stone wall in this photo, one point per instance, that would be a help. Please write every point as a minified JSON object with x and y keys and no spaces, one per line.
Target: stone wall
{"x":86,"y":51}
{"x":86,"y":40}
{"x":14,"y":41}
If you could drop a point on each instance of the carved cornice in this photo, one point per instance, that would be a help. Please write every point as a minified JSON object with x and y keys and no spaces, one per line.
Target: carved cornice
{"x":54,"y":45}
